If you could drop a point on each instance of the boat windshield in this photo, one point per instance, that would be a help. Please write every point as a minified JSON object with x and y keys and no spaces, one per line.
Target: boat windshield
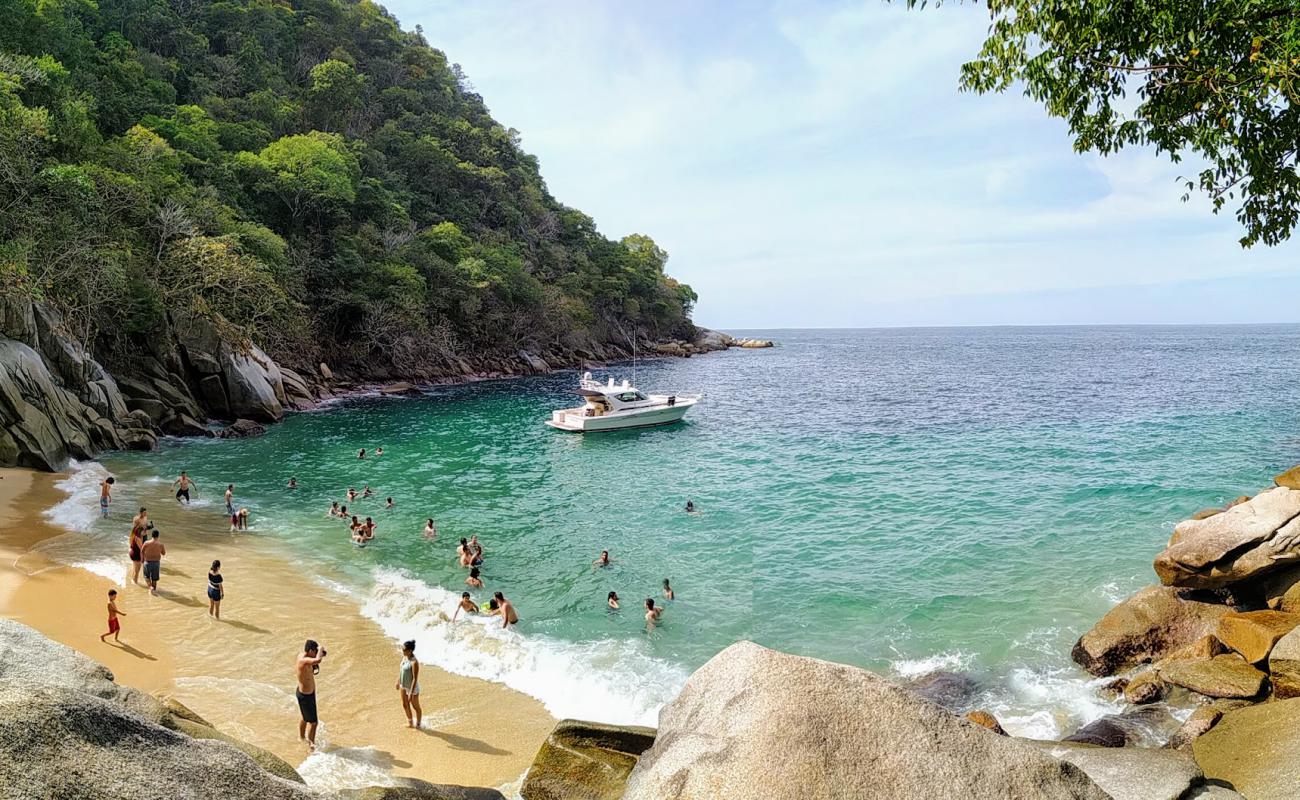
{"x":631,"y":397}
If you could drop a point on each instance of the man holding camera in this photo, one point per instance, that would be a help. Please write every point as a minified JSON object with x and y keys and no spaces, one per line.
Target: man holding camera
{"x":308,"y":666}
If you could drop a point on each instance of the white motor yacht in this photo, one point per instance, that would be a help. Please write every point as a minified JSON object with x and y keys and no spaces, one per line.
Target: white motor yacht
{"x":614,"y":407}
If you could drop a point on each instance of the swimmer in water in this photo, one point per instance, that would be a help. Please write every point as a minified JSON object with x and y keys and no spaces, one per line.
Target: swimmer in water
{"x":612,"y":600}
{"x":367,"y":493}
{"x":389,"y":504}
{"x":379,"y":451}
{"x":466,"y":604}
{"x":603,"y":561}
{"x":690,"y":506}
{"x":668,"y":591}
{"x":334,"y":509}
{"x":352,"y":494}
{"x":430,"y":530}
{"x":361,"y":453}
{"x":473,"y":579}
{"x":463,"y":553}
{"x":106,"y":494}
{"x":652,"y":614}
{"x":293,"y":483}
{"x":508,"y":615}
{"x":476,"y":551}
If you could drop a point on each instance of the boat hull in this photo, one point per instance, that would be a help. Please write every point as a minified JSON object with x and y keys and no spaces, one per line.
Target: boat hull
{"x":649,"y":418}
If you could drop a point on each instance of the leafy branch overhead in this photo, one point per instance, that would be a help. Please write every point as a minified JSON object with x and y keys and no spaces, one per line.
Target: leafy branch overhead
{"x":1215,"y":79}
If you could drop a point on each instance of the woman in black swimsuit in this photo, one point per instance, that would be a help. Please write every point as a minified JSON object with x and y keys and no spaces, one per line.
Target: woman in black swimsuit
{"x":137,"y":539}
{"x":216,"y":590}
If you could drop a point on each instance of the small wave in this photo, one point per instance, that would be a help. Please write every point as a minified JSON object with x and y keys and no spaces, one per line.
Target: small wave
{"x":1047,"y":703}
{"x":607,"y":681}
{"x":79,"y":511}
{"x":347,"y":767}
{"x":912,"y":668}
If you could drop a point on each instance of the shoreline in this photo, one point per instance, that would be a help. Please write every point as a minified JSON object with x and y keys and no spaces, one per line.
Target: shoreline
{"x":237,"y":672}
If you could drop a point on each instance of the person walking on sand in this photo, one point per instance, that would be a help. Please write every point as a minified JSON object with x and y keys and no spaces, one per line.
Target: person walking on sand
{"x":307,"y":668}
{"x":137,"y":542}
{"x":106,"y":494}
{"x":408,"y":683}
{"x":508,"y":615}
{"x":183,"y":485}
{"x":466,"y":604}
{"x":216,"y":590}
{"x":152,"y":552}
{"x":114,"y":627}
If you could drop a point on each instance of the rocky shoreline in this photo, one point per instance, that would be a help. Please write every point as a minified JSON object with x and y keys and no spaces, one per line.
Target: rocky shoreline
{"x":57,"y":402}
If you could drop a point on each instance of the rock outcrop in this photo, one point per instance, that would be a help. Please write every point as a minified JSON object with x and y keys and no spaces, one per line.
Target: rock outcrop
{"x":585,"y":761}
{"x":1244,"y":542}
{"x":1227,"y":675}
{"x":1284,"y":666}
{"x":1145,"y":627}
{"x":741,"y":729}
{"x":1131,"y":773}
{"x":1253,"y":750}
{"x":1253,"y":633}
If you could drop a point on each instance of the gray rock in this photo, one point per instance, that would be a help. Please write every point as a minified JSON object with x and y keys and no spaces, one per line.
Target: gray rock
{"x":1213,"y":792}
{"x":416,"y":790}
{"x":709,"y":340}
{"x":743,"y":728}
{"x":535,"y":364}
{"x":1131,"y":773}
{"x":253,"y":386}
{"x":45,"y":422}
{"x":1247,"y":541}
{"x":240,"y":429}
{"x":1104,"y":732}
{"x":952,"y":690}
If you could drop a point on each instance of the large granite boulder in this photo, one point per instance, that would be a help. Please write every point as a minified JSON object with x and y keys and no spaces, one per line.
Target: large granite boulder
{"x":1222,"y":676}
{"x":1143,"y":628}
{"x":1197,"y":724}
{"x":1245,"y":542}
{"x":745,"y":727}
{"x":412,"y":789}
{"x":1253,"y":750}
{"x":1145,"y":687}
{"x":1284,"y":665}
{"x":1253,"y":633}
{"x":1131,"y":773}
{"x":232,"y":381}
{"x":585,"y":761}
{"x":709,"y":340}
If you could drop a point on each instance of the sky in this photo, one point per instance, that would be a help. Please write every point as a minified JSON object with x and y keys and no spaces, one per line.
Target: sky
{"x":814,"y":165}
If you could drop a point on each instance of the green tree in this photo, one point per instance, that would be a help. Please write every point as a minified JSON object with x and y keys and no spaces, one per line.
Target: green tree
{"x":309,"y":173}
{"x":1218,"y":79}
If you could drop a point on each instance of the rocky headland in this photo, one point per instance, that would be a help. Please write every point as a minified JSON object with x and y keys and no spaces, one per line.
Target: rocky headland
{"x":58,"y":402}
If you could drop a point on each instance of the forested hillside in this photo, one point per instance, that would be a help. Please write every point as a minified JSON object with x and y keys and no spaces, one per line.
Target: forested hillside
{"x":304,"y":173}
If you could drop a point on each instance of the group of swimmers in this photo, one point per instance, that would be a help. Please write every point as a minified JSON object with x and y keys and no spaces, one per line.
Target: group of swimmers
{"x":652,"y":611}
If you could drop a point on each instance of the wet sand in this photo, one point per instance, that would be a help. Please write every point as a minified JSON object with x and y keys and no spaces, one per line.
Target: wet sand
{"x":238,"y":672}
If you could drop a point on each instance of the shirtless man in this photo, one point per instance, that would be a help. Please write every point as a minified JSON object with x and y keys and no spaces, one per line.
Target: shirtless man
{"x":114,"y":627}
{"x":466,"y":604}
{"x":152,"y":552}
{"x":230,"y":499}
{"x":141,"y":520}
{"x":463,"y":553}
{"x":334,"y":509}
{"x":508,"y":615}
{"x":293,"y":483}
{"x":473,"y":579}
{"x":651,"y":613}
{"x":106,"y":494}
{"x":308,"y":666}
{"x":368,"y":530}
{"x":183,"y":485}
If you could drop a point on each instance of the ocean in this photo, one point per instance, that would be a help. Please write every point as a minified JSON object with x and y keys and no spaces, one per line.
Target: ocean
{"x":905,"y":500}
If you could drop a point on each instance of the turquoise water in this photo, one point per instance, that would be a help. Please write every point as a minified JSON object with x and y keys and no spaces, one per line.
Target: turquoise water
{"x":904,"y":500}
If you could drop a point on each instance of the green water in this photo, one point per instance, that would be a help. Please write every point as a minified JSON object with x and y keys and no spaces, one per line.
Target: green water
{"x":905,"y":500}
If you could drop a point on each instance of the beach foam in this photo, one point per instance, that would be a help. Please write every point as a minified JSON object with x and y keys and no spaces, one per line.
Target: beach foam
{"x":607,"y":681}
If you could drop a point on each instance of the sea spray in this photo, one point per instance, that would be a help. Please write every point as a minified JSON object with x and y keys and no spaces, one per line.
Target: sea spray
{"x":92,"y":542}
{"x":611,"y":681}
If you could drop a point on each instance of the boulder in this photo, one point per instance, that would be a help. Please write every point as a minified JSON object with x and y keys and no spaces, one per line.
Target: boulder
{"x":296,"y":390}
{"x":1211,"y":791}
{"x":708,"y":340}
{"x":263,"y":758}
{"x":1143,"y":628}
{"x":1289,"y":479}
{"x":1222,"y":676}
{"x":1208,"y":646}
{"x":253,"y":385}
{"x":185,"y":425}
{"x":743,"y":728}
{"x":400,"y":387}
{"x":1284,"y":665}
{"x":411,"y":789}
{"x":1131,"y":773}
{"x":952,"y":690}
{"x":240,"y":429}
{"x":1253,"y":633}
{"x":986,"y":720}
{"x":1244,"y":542}
{"x":45,"y":423}
{"x":1253,"y":750}
{"x":325,"y":372}
{"x":752,"y":343}
{"x":1104,"y":732}
{"x":585,"y":761}
{"x":1145,"y":687}
{"x":1200,"y":721}
{"x":536,"y":364}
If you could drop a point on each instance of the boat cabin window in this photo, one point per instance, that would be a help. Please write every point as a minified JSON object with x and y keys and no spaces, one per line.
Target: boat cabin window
{"x":631,"y":397}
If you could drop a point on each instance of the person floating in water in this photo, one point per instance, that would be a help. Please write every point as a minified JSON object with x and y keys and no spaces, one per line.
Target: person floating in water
{"x":408,"y":683}
{"x":652,"y":613}
{"x":473,"y":579}
{"x":612,"y":600}
{"x":352,"y":494}
{"x":367,"y":492}
{"x":603,"y":561}
{"x":334,"y":509}
{"x":106,"y":494}
{"x":669,"y":594}
{"x":463,"y":553}
{"x":389,"y":504}
{"x":114,"y":626}
{"x":361,"y":453}
{"x":216,"y":590}
{"x":293,"y":483}
{"x":690,"y":506}
{"x":379,"y":451}
{"x":430,"y":530}
{"x":307,"y":668}
{"x":466,"y":604}
{"x":476,"y":551}
{"x":183,"y":486}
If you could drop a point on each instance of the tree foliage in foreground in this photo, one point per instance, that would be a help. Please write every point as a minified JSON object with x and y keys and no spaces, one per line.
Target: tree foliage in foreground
{"x":1217,"y":78}
{"x":305,"y":172}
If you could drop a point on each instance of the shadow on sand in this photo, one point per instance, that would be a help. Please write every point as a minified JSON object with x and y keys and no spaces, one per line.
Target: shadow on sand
{"x":465,"y":743}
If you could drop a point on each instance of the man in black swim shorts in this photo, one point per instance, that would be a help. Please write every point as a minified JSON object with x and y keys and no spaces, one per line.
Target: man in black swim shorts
{"x":308,"y":666}
{"x":183,"y":485}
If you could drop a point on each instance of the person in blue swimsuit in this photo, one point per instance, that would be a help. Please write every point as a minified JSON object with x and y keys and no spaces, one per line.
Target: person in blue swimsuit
{"x":408,"y":683}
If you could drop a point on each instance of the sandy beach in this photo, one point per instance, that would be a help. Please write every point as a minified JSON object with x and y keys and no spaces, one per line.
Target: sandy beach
{"x":238,"y":672}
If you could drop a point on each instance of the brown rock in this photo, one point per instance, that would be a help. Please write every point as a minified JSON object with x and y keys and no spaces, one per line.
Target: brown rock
{"x":1145,"y":627}
{"x":986,"y":720}
{"x":1222,"y":676}
{"x":585,"y":761}
{"x":1208,"y":646}
{"x":1284,"y":666}
{"x":1253,"y":750}
{"x":1145,"y":687}
{"x":1253,"y":633}
{"x":1245,"y":541}
{"x":1289,"y":479}
{"x":1201,"y":720}
{"x":1206,"y":513}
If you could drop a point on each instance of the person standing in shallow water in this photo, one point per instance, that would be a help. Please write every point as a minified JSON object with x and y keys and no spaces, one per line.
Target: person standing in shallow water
{"x":137,"y":542}
{"x":408,"y":684}
{"x":216,"y":590}
{"x":307,"y":668}
{"x":183,"y":485}
{"x":152,"y":552}
{"x":230,"y":499}
{"x":669,"y":594}
{"x":106,"y":494}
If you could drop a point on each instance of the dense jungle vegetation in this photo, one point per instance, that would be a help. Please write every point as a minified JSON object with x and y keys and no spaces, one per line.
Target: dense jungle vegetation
{"x":307,"y":174}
